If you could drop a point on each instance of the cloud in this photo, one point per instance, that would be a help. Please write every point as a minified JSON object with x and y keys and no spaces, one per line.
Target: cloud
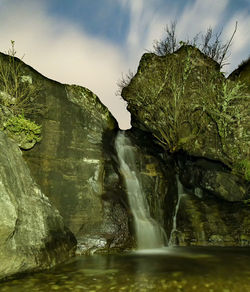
{"x":64,"y":52}
{"x":240,"y":45}
{"x":199,"y":15}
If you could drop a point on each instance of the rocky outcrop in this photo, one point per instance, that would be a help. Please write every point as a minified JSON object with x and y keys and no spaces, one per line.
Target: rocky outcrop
{"x":209,"y":178}
{"x":188,"y":105}
{"x":210,"y":222}
{"x":72,"y":160}
{"x":202,"y":119}
{"x":32,"y":233}
{"x":242,"y":73}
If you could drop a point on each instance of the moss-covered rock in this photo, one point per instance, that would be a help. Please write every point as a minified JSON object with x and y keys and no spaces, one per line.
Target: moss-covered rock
{"x":23,"y":131}
{"x":187,"y":104}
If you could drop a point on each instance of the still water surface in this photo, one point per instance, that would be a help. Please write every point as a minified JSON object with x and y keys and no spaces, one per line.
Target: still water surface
{"x":169,"y":269}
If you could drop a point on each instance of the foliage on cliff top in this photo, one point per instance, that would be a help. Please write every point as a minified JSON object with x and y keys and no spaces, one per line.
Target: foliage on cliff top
{"x":210,"y":44}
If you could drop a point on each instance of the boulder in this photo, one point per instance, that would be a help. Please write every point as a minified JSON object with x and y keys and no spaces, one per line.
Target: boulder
{"x":32,"y":233}
{"x":188,"y":105}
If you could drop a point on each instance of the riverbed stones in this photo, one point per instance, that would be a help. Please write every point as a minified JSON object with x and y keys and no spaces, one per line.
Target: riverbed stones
{"x":32,"y":233}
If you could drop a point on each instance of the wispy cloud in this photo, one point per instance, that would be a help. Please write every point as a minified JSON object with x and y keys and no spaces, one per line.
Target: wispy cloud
{"x":240,"y":45}
{"x":196,"y":16}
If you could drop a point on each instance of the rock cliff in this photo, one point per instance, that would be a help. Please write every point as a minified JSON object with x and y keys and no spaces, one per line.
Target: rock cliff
{"x":190,"y":126}
{"x":187,"y":104}
{"x":192,"y":111}
{"x":73,"y":159}
{"x":32,"y":233}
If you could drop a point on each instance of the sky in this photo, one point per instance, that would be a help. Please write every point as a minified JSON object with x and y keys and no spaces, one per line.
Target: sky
{"x":93,"y":42}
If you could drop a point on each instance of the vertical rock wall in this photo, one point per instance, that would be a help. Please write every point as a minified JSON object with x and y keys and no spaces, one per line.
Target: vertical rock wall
{"x":32,"y":233}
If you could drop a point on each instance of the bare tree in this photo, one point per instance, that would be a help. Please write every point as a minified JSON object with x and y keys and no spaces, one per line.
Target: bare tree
{"x":124,"y":81}
{"x":209,"y":43}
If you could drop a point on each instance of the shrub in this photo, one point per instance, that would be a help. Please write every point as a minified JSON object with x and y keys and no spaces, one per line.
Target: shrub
{"x":22,"y":130}
{"x":18,"y":94}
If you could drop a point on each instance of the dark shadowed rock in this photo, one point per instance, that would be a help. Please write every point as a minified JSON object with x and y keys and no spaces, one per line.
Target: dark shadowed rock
{"x":32,"y":233}
{"x":210,"y":222}
{"x":213,"y":179}
{"x":242,"y":73}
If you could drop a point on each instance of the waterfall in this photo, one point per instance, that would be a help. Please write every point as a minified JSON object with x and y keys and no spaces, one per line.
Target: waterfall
{"x":174,"y":231}
{"x":149,"y":233}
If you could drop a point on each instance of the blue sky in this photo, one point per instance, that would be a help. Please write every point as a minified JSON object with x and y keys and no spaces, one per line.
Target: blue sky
{"x":92,"y":42}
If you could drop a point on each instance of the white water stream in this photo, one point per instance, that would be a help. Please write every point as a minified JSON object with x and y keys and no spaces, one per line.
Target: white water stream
{"x":149,"y":234}
{"x":174,"y":230}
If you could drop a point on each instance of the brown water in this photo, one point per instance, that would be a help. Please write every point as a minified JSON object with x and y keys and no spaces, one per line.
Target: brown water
{"x":173,"y":269}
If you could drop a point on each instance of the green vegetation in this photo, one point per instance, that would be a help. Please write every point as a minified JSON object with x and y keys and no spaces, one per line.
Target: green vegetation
{"x":19,"y":125}
{"x":244,"y":168}
{"x":18,"y":94}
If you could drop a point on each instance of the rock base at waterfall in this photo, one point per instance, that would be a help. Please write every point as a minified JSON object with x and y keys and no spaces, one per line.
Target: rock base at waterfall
{"x":32,"y":233}
{"x":188,"y":107}
{"x":210,"y":222}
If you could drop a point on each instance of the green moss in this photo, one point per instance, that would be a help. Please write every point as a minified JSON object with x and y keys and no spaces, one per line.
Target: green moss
{"x":243,"y":167}
{"x":20,"y":126}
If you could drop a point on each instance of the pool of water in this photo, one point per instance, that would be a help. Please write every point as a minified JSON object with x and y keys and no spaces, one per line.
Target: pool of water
{"x":168,"y":269}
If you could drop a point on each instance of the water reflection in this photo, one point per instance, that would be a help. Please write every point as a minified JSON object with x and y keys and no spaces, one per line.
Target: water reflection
{"x":174,"y":269}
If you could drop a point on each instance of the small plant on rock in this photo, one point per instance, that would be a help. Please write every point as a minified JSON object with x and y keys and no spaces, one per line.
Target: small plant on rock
{"x":18,"y":94}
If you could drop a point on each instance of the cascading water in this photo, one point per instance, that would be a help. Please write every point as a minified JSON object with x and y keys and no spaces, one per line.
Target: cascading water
{"x":174,"y":231}
{"x":149,"y":233}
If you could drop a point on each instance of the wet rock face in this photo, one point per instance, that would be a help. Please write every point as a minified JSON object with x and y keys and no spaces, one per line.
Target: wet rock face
{"x":209,"y":222}
{"x":71,"y":164}
{"x":32,"y":233}
{"x":210,"y":178}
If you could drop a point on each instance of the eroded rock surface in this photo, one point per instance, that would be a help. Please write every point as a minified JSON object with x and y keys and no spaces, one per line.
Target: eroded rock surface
{"x":32,"y":233}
